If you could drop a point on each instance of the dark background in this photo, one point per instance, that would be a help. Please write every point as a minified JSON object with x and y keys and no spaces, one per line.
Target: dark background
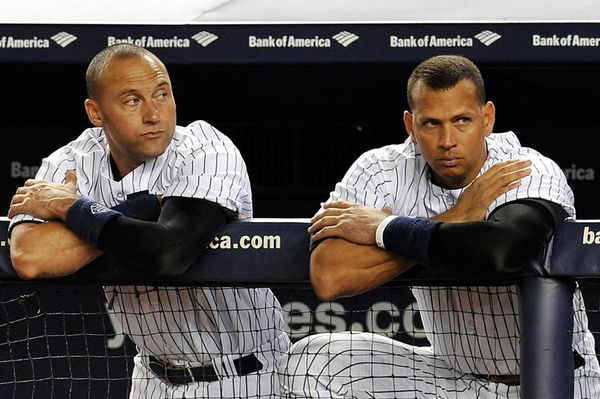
{"x":299,"y":127}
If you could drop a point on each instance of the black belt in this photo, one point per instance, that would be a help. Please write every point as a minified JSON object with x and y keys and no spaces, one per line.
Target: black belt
{"x":185,"y":375}
{"x":514,"y":379}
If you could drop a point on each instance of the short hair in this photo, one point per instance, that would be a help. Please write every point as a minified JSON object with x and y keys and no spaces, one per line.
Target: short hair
{"x":443,"y":72}
{"x":121,"y":51}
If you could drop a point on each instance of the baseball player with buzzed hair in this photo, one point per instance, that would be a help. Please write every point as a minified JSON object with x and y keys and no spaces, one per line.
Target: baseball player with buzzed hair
{"x":98,"y":195}
{"x":456,"y":196}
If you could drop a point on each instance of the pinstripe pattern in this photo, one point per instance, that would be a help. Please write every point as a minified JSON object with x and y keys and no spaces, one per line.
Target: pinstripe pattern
{"x":472,"y":330}
{"x":185,"y":325}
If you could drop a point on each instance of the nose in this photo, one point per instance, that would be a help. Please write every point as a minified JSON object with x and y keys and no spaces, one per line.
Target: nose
{"x":151,"y":113}
{"x":447,"y":137}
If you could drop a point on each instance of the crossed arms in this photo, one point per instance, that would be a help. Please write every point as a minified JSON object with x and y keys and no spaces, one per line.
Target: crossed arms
{"x":347,"y":261}
{"x":165,"y":241}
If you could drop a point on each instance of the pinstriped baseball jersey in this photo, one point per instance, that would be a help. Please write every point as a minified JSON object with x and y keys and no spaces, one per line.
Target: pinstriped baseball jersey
{"x":474,"y":329}
{"x":185,"y":325}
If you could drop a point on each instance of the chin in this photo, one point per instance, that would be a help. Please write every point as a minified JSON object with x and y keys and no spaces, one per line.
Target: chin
{"x":452,"y":181}
{"x":149,"y":155}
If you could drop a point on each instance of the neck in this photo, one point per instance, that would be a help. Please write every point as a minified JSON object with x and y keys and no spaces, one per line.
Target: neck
{"x":118,"y":170}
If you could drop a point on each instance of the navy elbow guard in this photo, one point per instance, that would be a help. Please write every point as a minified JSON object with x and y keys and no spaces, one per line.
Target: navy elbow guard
{"x":409,"y":237}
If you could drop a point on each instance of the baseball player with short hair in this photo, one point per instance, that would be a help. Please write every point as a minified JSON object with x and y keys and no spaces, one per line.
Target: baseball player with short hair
{"x":453,"y":195}
{"x":98,"y":195}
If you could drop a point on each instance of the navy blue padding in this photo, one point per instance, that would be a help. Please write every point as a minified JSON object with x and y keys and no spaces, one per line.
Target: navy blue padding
{"x":286,"y":259}
{"x":573,"y":254}
{"x":546,"y":325}
{"x":576,"y":250}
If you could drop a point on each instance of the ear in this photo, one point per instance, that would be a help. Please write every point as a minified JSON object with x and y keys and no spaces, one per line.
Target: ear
{"x":489,"y":117}
{"x":408,"y":125}
{"x":93,"y":113}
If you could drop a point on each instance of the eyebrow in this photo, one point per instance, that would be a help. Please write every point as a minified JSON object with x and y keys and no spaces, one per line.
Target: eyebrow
{"x":163,"y":83}
{"x":134,"y":91}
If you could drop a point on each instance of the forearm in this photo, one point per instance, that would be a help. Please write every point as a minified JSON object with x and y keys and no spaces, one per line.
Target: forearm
{"x":51,"y":249}
{"x":154,"y":248}
{"x":168,"y":246}
{"x":340,"y":268}
{"x":513,"y":237}
{"x":48,"y":250}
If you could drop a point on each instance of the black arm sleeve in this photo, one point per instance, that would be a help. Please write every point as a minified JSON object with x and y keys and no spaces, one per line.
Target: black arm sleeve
{"x":169,"y":246}
{"x":511,"y":238}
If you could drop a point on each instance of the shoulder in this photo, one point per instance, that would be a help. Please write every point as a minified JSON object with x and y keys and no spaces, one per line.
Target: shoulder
{"x":390,"y":156}
{"x":505,"y":146}
{"x":504,"y":139}
{"x":378,"y":173}
{"x":547,"y":180}
{"x":201,"y":136}
{"x":90,"y":141}
{"x":199,"y":132}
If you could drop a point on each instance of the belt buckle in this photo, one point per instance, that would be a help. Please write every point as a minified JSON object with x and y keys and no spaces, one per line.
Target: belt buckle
{"x":189,"y":371}
{"x":168,"y":369}
{"x":159,"y":369}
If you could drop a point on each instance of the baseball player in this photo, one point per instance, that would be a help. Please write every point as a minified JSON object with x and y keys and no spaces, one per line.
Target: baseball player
{"x":453,"y":195}
{"x":98,"y":195}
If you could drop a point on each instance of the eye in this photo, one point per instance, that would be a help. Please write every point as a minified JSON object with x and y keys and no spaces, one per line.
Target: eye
{"x":463,"y":121}
{"x":132,"y":101}
{"x":431,"y":123}
{"x":162,"y":96}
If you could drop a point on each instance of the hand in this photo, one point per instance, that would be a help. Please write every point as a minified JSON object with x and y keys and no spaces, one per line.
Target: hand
{"x":45,"y":200}
{"x":352,"y":222}
{"x":475,"y":200}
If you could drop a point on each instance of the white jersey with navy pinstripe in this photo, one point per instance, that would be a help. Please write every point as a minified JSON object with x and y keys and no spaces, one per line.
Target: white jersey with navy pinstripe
{"x":472,"y":330}
{"x":185,"y":325}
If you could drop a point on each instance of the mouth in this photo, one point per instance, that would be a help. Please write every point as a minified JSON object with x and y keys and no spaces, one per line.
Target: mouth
{"x":449,"y":162}
{"x":153,"y":134}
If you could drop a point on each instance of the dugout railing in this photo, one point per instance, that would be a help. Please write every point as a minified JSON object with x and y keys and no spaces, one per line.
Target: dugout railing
{"x":274,"y":252}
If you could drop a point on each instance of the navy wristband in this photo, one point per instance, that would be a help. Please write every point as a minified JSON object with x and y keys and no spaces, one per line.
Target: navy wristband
{"x":86,"y":218}
{"x":410,"y":237}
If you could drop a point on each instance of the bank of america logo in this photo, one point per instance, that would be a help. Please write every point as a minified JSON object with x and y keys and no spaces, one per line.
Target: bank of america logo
{"x":204,"y":38}
{"x":345,"y":38}
{"x":63,"y":39}
{"x":487,"y":37}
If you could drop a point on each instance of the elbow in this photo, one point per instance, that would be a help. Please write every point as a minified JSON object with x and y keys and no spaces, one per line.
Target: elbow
{"x":517,"y":260}
{"x":509,"y":259}
{"x":25,"y":265}
{"x":167,"y":270}
{"x":169,"y":263}
{"x":325,"y":279}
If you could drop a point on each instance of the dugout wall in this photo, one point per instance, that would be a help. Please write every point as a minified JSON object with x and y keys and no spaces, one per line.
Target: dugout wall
{"x":56,"y":338}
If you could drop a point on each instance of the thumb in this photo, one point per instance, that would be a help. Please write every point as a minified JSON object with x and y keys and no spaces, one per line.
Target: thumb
{"x":71,"y":177}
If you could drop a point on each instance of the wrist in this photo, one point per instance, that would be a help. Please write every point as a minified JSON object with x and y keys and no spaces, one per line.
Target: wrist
{"x":380,"y":229}
{"x":410,"y":237}
{"x":87,"y":218}
{"x":61,"y":207}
